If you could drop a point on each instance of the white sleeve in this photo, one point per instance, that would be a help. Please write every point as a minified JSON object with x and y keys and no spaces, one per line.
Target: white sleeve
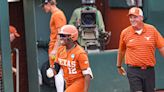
{"x":88,"y":71}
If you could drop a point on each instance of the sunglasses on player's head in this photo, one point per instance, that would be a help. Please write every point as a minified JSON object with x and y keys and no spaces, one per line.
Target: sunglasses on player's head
{"x":63,"y":35}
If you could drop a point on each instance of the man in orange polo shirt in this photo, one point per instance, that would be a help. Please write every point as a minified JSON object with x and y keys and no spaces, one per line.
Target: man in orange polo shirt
{"x":57,"y":20}
{"x":138,"y":43}
{"x":74,"y":61}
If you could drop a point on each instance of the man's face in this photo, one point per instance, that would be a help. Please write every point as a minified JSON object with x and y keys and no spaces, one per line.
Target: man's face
{"x":135,"y":20}
{"x":46,"y":7}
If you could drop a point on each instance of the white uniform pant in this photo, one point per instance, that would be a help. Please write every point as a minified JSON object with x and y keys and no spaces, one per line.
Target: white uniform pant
{"x":59,"y":81}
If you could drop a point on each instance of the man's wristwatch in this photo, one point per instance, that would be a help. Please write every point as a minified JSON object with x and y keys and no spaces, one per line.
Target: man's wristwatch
{"x":118,"y":66}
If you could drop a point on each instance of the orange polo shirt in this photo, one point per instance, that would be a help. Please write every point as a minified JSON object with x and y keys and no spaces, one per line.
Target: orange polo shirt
{"x":57,"y":20}
{"x":72,"y":63}
{"x":140,"y":49}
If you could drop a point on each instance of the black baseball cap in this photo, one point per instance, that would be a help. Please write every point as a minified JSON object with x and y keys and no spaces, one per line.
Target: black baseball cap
{"x":44,"y":2}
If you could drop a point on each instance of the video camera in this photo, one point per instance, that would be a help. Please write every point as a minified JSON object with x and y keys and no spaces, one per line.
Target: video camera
{"x":88,"y":30}
{"x":88,"y":18}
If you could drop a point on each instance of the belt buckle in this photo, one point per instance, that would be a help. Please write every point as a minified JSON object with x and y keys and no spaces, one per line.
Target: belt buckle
{"x":143,"y":67}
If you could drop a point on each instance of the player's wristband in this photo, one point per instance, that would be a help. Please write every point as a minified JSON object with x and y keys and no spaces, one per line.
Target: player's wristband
{"x":57,"y":67}
{"x":119,"y":66}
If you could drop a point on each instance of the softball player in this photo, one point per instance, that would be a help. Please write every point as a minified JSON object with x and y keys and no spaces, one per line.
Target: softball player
{"x":73,"y":60}
{"x":57,"y":20}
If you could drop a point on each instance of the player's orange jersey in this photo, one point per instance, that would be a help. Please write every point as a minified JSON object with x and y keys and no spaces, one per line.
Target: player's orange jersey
{"x":140,"y":49}
{"x":57,"y":20}
{"x":72,"y":63}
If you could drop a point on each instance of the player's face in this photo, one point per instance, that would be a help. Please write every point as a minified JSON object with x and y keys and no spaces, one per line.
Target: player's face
{"x":64,"y":39}
{"x":135,"y":20}
{"x":46,"y":7}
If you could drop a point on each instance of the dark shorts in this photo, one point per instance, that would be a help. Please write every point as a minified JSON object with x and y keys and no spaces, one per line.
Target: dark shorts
{"x":141,"y":79}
